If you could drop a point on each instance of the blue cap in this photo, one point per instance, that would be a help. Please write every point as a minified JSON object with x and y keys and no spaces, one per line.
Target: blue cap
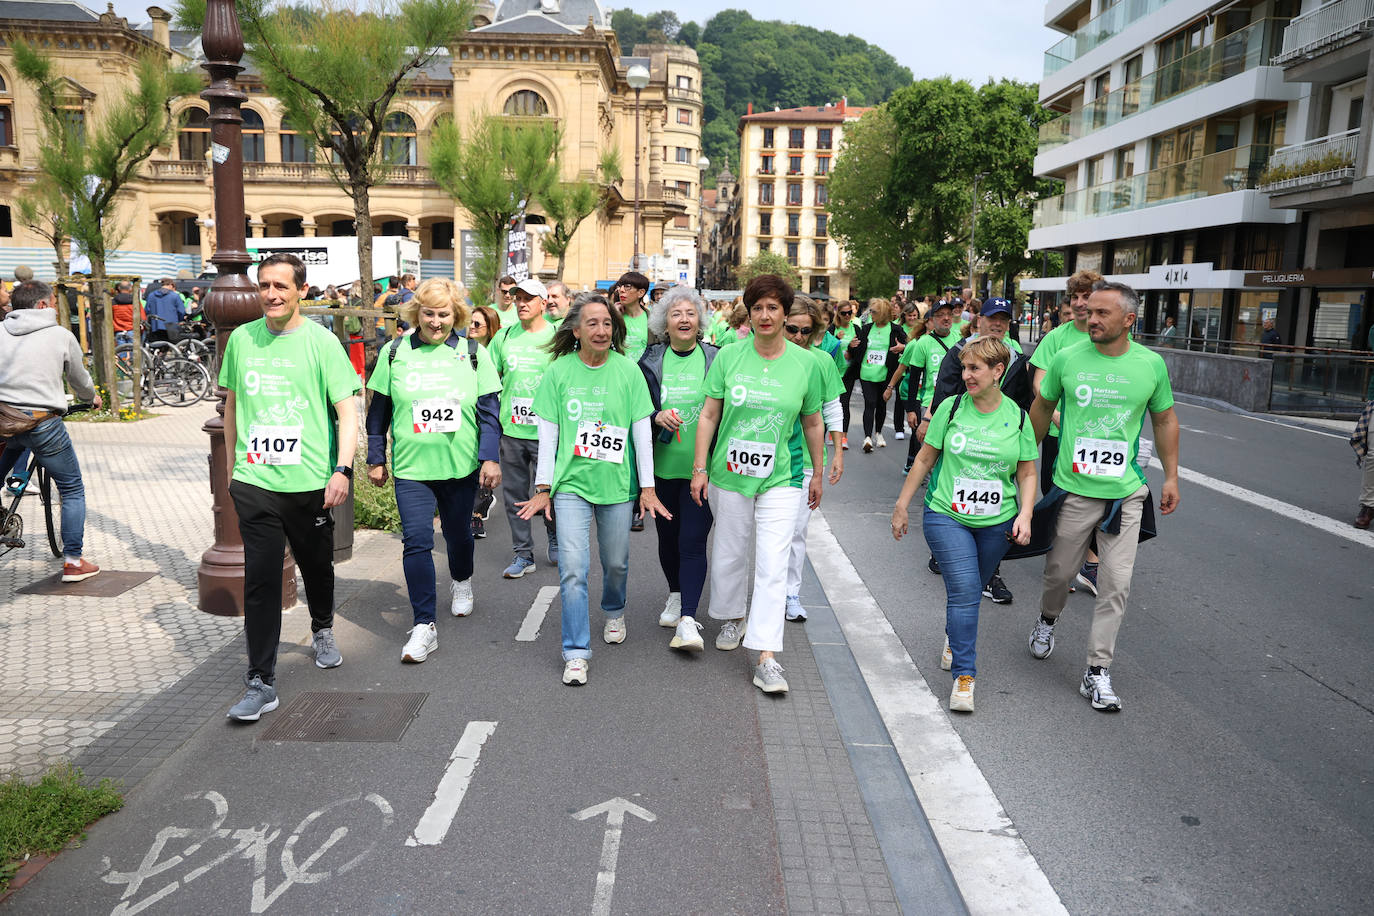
{"x":996,"y":307}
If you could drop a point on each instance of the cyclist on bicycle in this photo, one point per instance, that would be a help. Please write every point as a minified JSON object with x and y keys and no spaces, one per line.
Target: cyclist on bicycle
{"x":35,"y":355}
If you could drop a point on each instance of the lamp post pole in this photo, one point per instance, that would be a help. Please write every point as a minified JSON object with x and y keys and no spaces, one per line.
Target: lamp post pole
{"x":703,"y":164}
{"x":638,"y":77}
{"x":231,"y":301}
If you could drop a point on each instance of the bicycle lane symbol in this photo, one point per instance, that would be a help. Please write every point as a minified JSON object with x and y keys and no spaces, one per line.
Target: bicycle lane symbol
{"x":355,"y":814}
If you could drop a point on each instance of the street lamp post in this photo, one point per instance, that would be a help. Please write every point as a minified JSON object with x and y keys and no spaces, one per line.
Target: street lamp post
{"x":973,"y":229}
{"x":231,"y":301}
{"x":703,"y":164}
{"x":638,"y":77}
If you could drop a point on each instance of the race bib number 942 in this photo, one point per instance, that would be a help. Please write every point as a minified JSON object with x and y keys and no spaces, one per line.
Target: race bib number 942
{"x":750,"y":459}
{"x":600,"y":442}
{"x":976,"y":497}
{"x":436,"y":415}
{"x":274,"y":445}
{"x":1099,"y":457}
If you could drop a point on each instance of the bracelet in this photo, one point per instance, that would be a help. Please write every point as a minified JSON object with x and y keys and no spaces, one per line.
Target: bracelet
{"x":698,"y":470}
{"x":543,"y":490}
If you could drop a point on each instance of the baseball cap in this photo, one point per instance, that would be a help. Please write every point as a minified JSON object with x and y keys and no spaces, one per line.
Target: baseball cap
{"x":942,"y":304}
{"x":997,"y":307}
{"x":533,"y":287}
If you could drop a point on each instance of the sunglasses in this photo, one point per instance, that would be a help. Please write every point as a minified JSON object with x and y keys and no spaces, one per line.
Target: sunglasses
{"x":794,"y":329}
{"x":846,"y":311}
{"x":508,"y":292}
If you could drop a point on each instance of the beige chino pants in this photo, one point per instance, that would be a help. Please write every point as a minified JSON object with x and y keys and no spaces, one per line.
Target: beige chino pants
{"x":1078,"y":518}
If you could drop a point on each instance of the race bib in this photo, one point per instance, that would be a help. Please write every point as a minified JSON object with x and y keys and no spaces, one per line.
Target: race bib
{"x":436,"y":415}
{"x":600,"y":442}
{"x":274,"y":445}
{"x":875,"y":357}
{"x":1099,"y":457}
{"x":976,"y":497}
{"x":522,"y":411}
{"x":751,"y":459}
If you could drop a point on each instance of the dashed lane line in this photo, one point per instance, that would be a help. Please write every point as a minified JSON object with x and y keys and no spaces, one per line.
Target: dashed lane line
{"x":438,"y":817}
{"x":529,"y":630}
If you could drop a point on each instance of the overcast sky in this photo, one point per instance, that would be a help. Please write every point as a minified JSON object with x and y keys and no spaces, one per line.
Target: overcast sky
{"x":972,"y":39}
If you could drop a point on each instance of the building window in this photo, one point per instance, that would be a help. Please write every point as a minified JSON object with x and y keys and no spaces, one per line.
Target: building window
{"x":766,"y":164}
{"x":398,"y":139}
{"x":75,"y":117}
{"x":6,"y":222}
{"x":794,"y":194}
{"x":292,"y":227}
{"x":342,"y":227}
{"x":684,"y":154}
{"x":254,"y":138}
{"x":794,"y":165}
{"x":1125,"y":162}
{"x":822,"y":225}
{"x":393,"y":227}
{"x":684,"y":82}
{"x":768,"y":138}
{"x":792,"y":248}
{"x":766,"y":193}
{"x":190,"y":228}
{"x":796,"y":138}
{"x":824,"y":137}
{"x":765,"y":224}
{"x":822,"y":165}
{"x":684,"y":116}
{"x":794,"y":224}
{"x":6,"y":116}
{"x":441,"y":236}
{"x":295,"y":147}
{"x":822,"y":195}
{"x":526,"y":104}
{"x":821,"y":249}
{"x":193,"y":136}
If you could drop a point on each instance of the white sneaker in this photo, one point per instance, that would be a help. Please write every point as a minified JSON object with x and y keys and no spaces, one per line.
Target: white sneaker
{"x":868,"y":444}
{"x":672,"y":611}
{"x":614,"y":630}
{"x":899,"y":436}
{"x":882,"y":443}
{"x":461,"y":605}
{"x":946,"y":657}
{"x":687,"y":635}
{"x":768,"y":677}
{"x":961,"y":696}
{"x":575,"y":671}
{"x":731,"y":635}
{"x":794,"y":609}
{"x":423,"y":640}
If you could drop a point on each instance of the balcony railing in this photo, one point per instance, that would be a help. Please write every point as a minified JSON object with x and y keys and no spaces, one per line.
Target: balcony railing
{"x":1241,"y":51}
{"x":1325,"y":160}
{"x":301,"y":172}
{"x":179,"y":169}
{"x":1220,"y":173}
{"x":1325,"y":27}
{"x":1105,"y":25}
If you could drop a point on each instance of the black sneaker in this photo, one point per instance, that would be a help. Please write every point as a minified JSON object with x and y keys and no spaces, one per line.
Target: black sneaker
{"x":637,"y":524}
{"x":997,"y":590}
{"x":907,"y":469}
{"x":1087,"y":577}
{"x":479,"y":528}
{"x":934,"y":566}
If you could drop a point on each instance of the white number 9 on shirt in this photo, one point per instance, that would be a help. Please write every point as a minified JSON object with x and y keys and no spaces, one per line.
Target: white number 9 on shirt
{"x":251,"y":381}
{"x":738,"y":395}
{"x":1084,"y":394}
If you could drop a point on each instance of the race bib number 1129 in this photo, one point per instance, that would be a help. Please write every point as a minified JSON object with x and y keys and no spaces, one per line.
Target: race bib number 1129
{"x":1099,"y":457}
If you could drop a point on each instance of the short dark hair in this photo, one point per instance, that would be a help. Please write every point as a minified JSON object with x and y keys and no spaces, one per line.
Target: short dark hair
{"x":285,"y":257}
{"x":507,"y":279}
{"x":28,"y":294}
{"x":167,"y":281}
{"x":769,"y":285}
{"x":633,"y":278}
{"x":1127,"y":296}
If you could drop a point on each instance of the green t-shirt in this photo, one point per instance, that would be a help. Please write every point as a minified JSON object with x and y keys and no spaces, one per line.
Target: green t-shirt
{"x":831,"y":388}
{"x":844,"y":336}
{"x":732,"y":337}
{"x":681,"y":390}
{"x":509,"y":316}
{"x":1066,"y":335}
{"x":1103,"y":407}
{"x":285,"y":386}
{"x":874,"y":368}
{"x":594,"y":409}
{"x":720,"y":326}
{"x":974,"y":479}
{"x":759,"y":443}
{"x":925,"y":355}
{"x":636,"y":335}
{"x":434,"y":391}
{"x":520,"y":357}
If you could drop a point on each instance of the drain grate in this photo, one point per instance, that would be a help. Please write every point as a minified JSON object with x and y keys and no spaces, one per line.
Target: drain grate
{"x":109,"y":584}
{"x":329,"y":715}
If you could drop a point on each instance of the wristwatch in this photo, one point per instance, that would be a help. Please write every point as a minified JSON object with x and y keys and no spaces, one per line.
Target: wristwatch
{"x":698,"y":470}
{"x":344,"y":470}
{"x":543,"y":488}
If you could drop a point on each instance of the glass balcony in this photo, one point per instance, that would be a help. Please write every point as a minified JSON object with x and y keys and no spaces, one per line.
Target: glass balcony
{"x":1220,"y":173}
{"x":1224,"y":58}
{"x":1107,"y":24}
{"x":1323,"y":161}
{"x":1324,"y":28}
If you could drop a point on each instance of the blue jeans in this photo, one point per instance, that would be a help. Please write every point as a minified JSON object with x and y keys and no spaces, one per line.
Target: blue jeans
{"x":53,"y":447}
{"x":682,"y":541}
{"x":11,"y":457}
{"x":124,"y":337}
{"x":574,"y":515}
{"x":417,"y":500}
{"x":967,"y":559}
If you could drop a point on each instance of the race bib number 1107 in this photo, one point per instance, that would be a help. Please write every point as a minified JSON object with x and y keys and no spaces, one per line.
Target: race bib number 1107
{"x":274,"y":445}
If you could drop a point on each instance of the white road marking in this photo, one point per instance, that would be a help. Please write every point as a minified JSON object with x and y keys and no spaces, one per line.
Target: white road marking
{"x":994,"y":869}
{"x":529,"y":630}
{"x":615,"y":810}
{"x":434,"y":823}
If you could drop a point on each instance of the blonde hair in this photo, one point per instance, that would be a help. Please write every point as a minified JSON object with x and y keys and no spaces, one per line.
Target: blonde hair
{"x":805,"y":305}
{"x":438,"y":292}
{"x":885,"y":305}
{"x":987,"y":350}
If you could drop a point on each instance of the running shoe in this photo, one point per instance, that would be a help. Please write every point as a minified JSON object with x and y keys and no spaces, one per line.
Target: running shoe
{"x":80,"y":571}
{"x":946,"y":657}
{"x":257,"y":699}
{"x":844,"y":443}
{"x":1097,"y":690}
{"x":575,"y":671}
{"x":795,"y":611}
{"x":997,"y":590}
{"x":614,"y":631}
{"x":1041,"y":638}
{"x":460,"y":605}
{"x":899,"y":435}
{"x":479,"y":528}
{"x":327,"y":653}
{"x":961,"y":697}
{"x":553,"y":551}
{"x":687,"y":635}
{"x":637,"y":523}
{"x":423,"y":640}
{"x":933,"y":566}
{"x":907,"y":468}
{"x":768,"y":677}
{"x":1087,"y":577}
{"x":672,"y":610}
{"x":868,"y":444}
{"x":731,"y":635}
{"x":1364,"y":517}
{"x":881,"y":442}
{"x":518,"y":567}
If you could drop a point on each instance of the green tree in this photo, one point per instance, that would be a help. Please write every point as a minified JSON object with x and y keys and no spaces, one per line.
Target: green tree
{"x":43,"y":209}
{"x":500,"y":169}
{"x":766,"y":262}
{"x":336,"y":71}
{"x":566,"y":204}
{"x":874,"y":230}
{"x":88,"y":161}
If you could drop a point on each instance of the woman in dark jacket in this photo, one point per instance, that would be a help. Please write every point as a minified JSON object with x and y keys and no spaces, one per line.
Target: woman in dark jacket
{"x":873,"y":355}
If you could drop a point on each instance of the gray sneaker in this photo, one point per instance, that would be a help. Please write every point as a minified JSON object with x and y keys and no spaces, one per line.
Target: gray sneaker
{"x":731,"y":635}
{"x":257,"y":699}
{"x":1042,"y":638}
{"x":326,"y":651}
{"x":1097,"y":690}
{"x":768,"y":677}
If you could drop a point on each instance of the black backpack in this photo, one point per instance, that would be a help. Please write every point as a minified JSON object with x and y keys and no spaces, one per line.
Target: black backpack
{"x":396,"y":345}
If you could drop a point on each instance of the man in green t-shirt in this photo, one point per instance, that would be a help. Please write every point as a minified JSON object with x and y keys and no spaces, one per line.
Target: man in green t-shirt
{"x":287,"y":378}
{"x":557,"y":303}
{"x":506,"y":307}
{"x":520,"y":357}
{"x":1106,"y":386}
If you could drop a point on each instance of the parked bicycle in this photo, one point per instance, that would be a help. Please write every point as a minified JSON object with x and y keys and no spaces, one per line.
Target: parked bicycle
{"x":169,"y":377}
{"x":23,"y":482}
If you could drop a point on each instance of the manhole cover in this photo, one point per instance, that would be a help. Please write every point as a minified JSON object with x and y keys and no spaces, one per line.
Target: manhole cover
{"x":109,"y":584}
{"x":328,"y":715}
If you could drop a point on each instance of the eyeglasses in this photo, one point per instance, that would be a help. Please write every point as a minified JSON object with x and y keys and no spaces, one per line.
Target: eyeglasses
{"x":794,"y":329}
{"x":846,"y":311}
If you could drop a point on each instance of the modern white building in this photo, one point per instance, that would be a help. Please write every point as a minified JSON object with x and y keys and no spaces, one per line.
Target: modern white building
{"x":1172,"y":111}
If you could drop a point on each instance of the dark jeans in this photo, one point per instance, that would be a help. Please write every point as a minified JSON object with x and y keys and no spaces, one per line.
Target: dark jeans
{"x":682,"y":541}
{"x":417,"y":500}
{"x":1049,"y":453}
{"x":898,"y":411}
{"x":13,"y":456}
{"x":913,"y":444}
{"x":967,"y":556}
{"x":874,"y":408}
{"x":844,"y":402}
{"x":268,"y":522}
{"x":518,"y":460}
{"x":53,"y":447}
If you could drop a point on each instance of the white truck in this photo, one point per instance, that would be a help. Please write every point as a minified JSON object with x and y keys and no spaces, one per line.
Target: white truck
{"x":335,"y":260}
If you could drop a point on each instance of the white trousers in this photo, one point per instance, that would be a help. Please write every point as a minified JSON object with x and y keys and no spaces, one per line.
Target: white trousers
{"x":766,"y":523}
{"x":797,"y":559}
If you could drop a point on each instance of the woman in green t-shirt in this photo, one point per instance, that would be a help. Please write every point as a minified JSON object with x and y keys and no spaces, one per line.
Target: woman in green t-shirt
{"x":980,"y":453}
{"x":592,"y":408}
{"x":437,"y":394}
{"x":676,"y":372}
{"x":873,"y":354}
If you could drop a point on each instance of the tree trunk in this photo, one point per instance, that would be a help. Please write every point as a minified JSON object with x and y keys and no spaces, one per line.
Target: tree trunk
{"x":562,"y":260}
{"x":102,"y":332}
{"x":362,"y":221}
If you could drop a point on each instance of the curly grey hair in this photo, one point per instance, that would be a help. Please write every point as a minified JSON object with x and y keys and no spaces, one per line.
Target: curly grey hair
{"x":658,"y":314}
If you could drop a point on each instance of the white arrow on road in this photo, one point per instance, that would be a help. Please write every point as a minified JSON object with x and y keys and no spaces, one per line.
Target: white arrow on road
{"x":615,"y":810}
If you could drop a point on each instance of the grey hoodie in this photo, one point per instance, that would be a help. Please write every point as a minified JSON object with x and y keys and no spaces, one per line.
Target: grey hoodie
{"x":35,"y":354}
